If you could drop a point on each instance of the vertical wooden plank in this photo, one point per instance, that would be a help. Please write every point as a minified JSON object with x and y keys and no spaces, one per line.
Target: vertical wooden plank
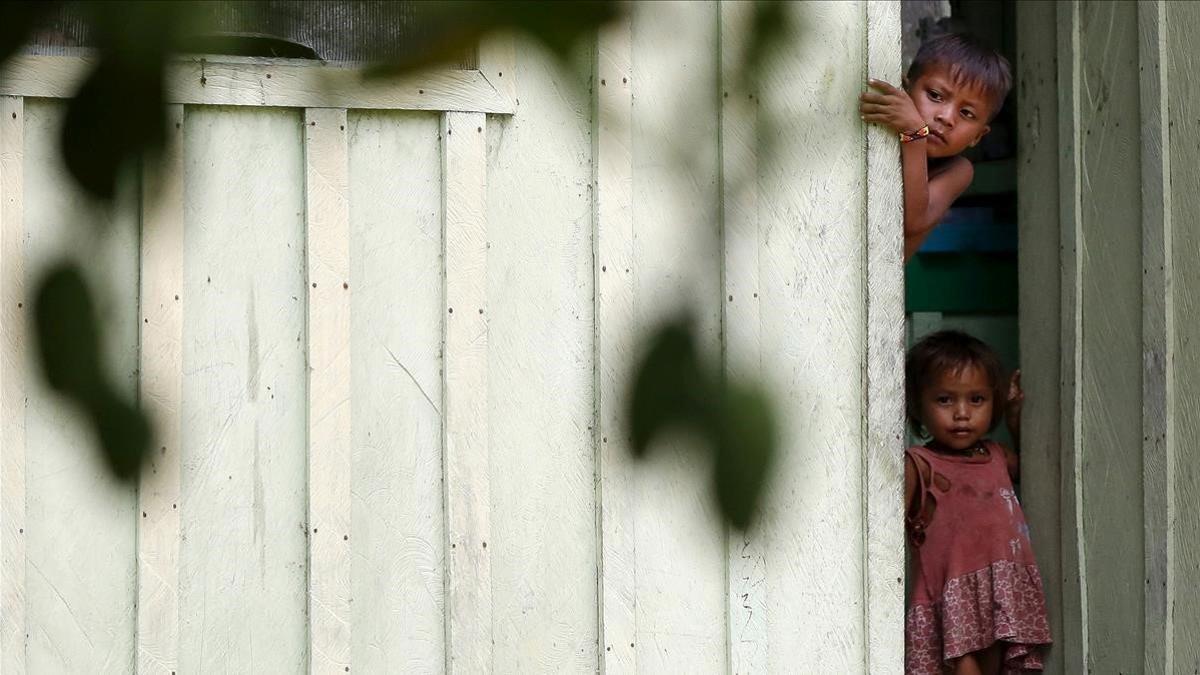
{"x":541,"y":371}
{"x":397,"y":528}
{"x":465,"y":395}
{"x":1074,"y":580}
{"x":80,"y":525}
{"x":243,"y":552}
{"x":747,"y":564}
{"x":13,"y":358}
{"x":681,"y":610}
{"x":615,"y":282}
{"x":326,"y":170}
{"x":498,"y":63}
{"x":1181,"y":147}
{"x":1110,"y":267}
{"x":883,"y":382}
{"x":1040,"y":296}
{"x":813,"y":224}
{"x":1158,"y":450}
{"x":161,"y":372}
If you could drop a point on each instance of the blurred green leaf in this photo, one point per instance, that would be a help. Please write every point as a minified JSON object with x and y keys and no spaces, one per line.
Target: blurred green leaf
{"x":453,"y":27}
{"x":101,"y":139}
{"x":69,"y":346}
{"x":745,"y":452}
{"x":673,"y":389}
{"x":669,"y":389}
{"x":116,"y":118}
{"x":124,"y":433}
{"x":771,"y":26}
{"x":18,"y":19}
{"x":67,"y":334}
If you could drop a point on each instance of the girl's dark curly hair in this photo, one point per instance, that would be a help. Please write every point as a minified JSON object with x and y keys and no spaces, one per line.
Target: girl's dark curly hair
{"x":950,"y":350}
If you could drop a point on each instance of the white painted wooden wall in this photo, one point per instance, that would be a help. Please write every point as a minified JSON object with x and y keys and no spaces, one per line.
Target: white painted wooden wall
{"x":385,"y":332}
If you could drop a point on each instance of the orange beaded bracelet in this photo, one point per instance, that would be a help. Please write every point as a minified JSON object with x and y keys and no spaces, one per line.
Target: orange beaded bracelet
{"x":915,"y":135}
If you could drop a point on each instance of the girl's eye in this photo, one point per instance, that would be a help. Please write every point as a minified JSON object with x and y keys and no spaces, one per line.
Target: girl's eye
{"x":968,"y":114}
{"x":943,"y":400}
{"x":978,"y":400}
{"x":934,"y":95}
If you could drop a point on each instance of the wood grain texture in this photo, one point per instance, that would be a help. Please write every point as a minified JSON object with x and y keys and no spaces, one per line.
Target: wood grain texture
{"x":1040,"y":296}
{"x":498,"y":65}
{"x":80,"y":526}
{"x":286,"y":83}
{"x":541,"y":373}
{"x":1182,"y":285}
{"x":883,"y":384}
{"x":396,"y":312}
{"x":243,"y":557}
{"x":13,"y":363}
{"x":813,"y":224}
{"x":1158,"y":451}
{"x":680,"y":609}
{"x":741,"y":320}
{"x":1075,"y":643}
{"x":1110,"y":343}
{"x":465,"y":396}
{"x":161,"y":369}
{"x":327,"y":247}
{"x":614,"y":347}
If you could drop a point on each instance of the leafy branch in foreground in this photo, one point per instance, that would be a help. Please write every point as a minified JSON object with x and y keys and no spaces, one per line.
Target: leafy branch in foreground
{"x":674,"y":390}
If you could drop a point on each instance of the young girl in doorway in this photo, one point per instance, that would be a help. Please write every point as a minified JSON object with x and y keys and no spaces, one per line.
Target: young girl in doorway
{"x":977,"y":604}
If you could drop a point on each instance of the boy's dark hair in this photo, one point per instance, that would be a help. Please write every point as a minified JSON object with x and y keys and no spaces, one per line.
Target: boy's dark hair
{"x":970,"y":62}
{"x":950,"y":350}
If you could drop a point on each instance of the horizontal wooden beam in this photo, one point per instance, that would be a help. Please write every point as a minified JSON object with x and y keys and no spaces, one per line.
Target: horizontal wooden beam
{"x":285,"y":83}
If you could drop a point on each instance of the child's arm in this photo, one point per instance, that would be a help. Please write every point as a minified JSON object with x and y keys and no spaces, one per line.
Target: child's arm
{"x":1012,"y":418}
{"x":926,"y":195}
{"x":910,"y":483}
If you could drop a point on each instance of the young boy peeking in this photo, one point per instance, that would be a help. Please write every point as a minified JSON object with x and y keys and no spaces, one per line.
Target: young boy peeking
{"x":954,"y":88}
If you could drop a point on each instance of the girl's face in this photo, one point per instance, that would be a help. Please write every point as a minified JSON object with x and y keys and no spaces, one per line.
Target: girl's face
{"x":957,"y":115}
{"x":956,"y":408}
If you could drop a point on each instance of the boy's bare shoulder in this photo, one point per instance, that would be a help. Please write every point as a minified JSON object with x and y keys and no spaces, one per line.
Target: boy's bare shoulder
{"x":950,"y":179}
{"x":958,"y":166}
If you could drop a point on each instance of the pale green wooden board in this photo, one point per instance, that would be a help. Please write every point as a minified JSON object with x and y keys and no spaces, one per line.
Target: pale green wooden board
{"x":242,"y":582}
{"x":1039,"y":321}
{"x":80,"y":527}
{"x":1110,"y":342}
{"x":1183,"y":20}
{"x":396,"y":395}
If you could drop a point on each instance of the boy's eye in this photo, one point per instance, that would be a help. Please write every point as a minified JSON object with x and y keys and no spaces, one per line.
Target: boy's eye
{"x":968,"y":114}
{"x":936,"y":96}
{"x":943,"y":400}
{"x":977,"y":399}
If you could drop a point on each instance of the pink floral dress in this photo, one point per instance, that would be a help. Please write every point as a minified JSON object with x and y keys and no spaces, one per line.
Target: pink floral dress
{"x":975,"y":578}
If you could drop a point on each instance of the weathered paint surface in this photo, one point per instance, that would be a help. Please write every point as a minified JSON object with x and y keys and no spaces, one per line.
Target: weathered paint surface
{"x":243,"y":551}
{"x":541,"y":400}
{"x":1182,"y":285}
{"x":397,"y":366}
{"x":79,"y":529}
{"x":1125,"y":244}
{"x":397,"y":529}
{"x":161,"y":373}
{"x":810,"y":232}
{"x":327,"y":249}
{"x":676,"y":267}
{"x":1040,"y":276}
{"x":13,"y":362}
{"x":1110,"y":341}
